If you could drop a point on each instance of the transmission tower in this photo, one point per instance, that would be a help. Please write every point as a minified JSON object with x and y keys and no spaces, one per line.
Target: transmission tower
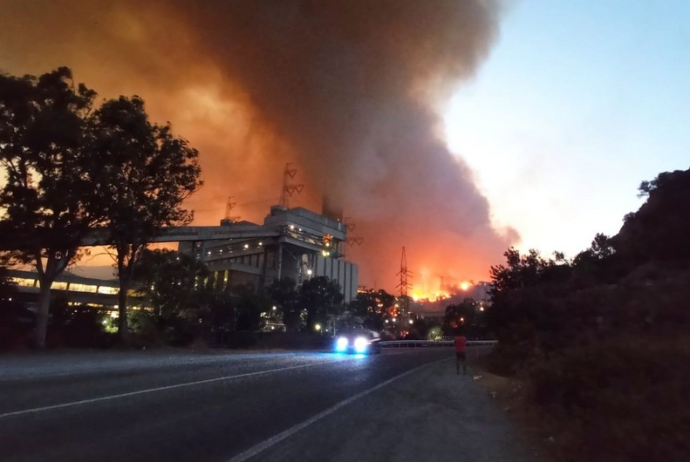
{"x":404,"y":285}
{"x":229,"y":219}
{"x":229,"y":205}
{"x":351,"y":239}
{"x":289,"y":188}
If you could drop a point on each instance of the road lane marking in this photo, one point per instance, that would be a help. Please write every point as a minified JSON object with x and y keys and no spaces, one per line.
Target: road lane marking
{"x":153,"y":390}
{"x":266,"y":444}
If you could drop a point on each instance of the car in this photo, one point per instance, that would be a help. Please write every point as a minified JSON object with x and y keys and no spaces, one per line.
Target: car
{"x":359,"y":341}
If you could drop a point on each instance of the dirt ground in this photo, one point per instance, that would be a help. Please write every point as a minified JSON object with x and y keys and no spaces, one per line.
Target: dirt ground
{"x":510,"y":394}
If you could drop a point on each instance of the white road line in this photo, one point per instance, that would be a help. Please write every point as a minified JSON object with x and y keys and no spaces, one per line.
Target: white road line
{"x":153,"y":390}
{"x":253,"y":451}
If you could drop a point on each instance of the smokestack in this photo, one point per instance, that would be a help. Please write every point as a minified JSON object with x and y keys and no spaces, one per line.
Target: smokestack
{"x":331,"y":209}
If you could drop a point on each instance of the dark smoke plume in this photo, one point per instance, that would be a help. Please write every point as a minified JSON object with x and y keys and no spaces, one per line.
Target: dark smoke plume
{"x":347,"y":90}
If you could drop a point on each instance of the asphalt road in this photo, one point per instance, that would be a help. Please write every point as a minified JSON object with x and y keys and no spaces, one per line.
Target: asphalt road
{"x":157,"y":406}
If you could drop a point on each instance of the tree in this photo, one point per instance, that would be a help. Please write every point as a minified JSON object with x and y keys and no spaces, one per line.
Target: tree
{"x":284,"y":295}
{"x":373,"y":307}
{"x":49,"y":200}
{"x":147,"y":173}
{"x":593,"y":266}
{"x":168,"y":280}
{"x":248,"y":307}
{"x":321,"y":298}
{"x":527,"y":306}
{"x":460,"y":317}
{"x":660,"y":229}
{"x":7,"y":286}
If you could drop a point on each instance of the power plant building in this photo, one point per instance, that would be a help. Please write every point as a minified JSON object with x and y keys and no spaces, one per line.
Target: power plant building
{"x":295,"y":243}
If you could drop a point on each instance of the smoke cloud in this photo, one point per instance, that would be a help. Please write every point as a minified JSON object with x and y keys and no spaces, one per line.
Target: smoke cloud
{"x":348,"y":91}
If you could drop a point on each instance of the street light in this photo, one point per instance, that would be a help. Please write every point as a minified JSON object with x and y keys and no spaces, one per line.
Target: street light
{"x":317,"y":327}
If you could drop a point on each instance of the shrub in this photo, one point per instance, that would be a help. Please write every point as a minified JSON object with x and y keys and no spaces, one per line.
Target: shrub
{"x":621,"y":402}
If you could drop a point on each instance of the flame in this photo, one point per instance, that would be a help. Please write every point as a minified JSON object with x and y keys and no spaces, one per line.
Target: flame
{"x":427,"y":291}
{"x":465,"y":285}
{"x":422,"y":296}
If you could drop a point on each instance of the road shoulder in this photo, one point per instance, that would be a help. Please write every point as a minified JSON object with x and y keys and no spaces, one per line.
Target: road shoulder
{"x":431,"y":415}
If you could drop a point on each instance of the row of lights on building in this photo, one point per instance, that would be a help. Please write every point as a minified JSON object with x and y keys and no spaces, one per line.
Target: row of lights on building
{"x":245,"y":247}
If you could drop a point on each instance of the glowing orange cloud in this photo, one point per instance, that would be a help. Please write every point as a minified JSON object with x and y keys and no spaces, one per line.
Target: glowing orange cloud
{"x":346,"y":91}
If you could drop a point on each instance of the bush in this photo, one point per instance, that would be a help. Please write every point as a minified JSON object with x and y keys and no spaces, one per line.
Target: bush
{"x":77,"y":327}
{"x":16,"y":325}
{"x":516,"y":348}
{"x":617,"y":402}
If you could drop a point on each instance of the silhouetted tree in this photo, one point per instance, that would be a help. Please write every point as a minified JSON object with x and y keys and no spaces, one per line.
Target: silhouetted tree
{"x":49,"y":198}
{"x":168,"y":280}
{"x":460,"y":318}
{"x":284,"y":296}
{"x":321,"y":298}
{"x":7,"y":286}
{"x":248,"y":306}
{"x":373,"y":307}
{"x":660,"y":229}
{"x":147,"y":173}
{"x":526,"y":306}
{"x":592,"y":266}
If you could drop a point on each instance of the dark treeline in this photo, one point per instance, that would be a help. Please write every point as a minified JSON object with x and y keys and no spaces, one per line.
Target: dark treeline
{"x":603,"y":338}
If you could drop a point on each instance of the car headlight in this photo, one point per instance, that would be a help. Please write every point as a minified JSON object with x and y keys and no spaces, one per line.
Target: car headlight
{"x":361,"y":344}
{"x":341,"y":344}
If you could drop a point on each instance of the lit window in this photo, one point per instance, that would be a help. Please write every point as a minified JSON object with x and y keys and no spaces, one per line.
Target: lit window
{"x":107,"y":290}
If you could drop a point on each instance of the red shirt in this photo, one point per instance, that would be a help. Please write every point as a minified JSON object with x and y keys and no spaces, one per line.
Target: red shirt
{"x":460,"y":343}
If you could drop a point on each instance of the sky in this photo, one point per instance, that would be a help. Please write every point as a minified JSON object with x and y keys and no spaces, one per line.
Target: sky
{"x":577,"y":104}
{"x":453,"y":128}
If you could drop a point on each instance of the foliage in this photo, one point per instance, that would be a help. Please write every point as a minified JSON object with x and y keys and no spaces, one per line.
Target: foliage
{"x":248,"y":307}
{"x":660,"y":229}
{"x":602,"y":338}
{"x":525,"y":293}
{"x":146,"y":173}
{"x":419,"y":330}
{"x":283,"y":294}
{"x":16,"y":323}
{"x":621,"y":401}
{"x":373,"y":307}
{"x":7,"y":286}
{"x":49,"y":199}
{"x":322,"y":300}
{"x":78,"y":326}
{"x":167,"y":280}
{"x":466,"y":318}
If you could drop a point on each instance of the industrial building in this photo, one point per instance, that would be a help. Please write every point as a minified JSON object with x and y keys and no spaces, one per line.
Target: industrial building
{"x":292,"y":242}
{"x":75,"y":289}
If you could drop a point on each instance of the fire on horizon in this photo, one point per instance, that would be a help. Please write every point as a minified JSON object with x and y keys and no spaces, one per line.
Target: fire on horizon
{"x":349,"y":92}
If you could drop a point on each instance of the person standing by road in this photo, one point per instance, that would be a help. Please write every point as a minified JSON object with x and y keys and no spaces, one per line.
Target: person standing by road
{"x":460,"y":352}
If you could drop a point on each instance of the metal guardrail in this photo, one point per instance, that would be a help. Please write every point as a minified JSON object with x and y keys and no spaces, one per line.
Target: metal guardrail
{"x":432,"y":343}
